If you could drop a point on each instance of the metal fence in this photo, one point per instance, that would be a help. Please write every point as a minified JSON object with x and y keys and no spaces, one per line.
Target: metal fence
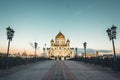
{"x":104,"y":62}
{"x":16,"y":61}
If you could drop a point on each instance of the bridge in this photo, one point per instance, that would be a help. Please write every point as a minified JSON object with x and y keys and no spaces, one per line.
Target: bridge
{"x":59,"y":70}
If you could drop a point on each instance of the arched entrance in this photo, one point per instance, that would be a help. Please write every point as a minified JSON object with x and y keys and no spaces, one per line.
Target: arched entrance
{"x":59,"y":58}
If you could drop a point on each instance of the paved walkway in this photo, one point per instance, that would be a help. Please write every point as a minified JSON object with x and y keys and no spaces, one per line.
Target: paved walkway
{"x":83,"y":71}
{"x":33,"y":72}
{"x":59,"y":71}
{"x":62,"y":70}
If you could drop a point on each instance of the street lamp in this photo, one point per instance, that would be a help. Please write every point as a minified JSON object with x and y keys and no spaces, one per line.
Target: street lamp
{"x":112,"y":35}
{"x":10,"y":34}
{"x":45,"y":47}
{"x":76,"y":49}
{"x":85,"y":44}
{"x":35,"y":49}
{"x":45,"y":50}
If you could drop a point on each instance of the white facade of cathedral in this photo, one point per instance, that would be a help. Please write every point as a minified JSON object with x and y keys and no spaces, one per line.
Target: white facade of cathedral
{"x":60,"y":48}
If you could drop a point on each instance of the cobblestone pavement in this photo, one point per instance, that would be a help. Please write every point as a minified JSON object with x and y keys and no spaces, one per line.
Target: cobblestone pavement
{"x":33,"y":72}
{"x":17,"y":68}
{"x":63,"y":70}
{"x":83,"y":71}
{"x":59,"y":71}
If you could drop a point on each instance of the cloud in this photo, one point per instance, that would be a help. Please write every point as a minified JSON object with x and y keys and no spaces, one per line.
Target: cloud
{"x":105,"y":51}
{"x":92,"y":51}
{"x":89,"y":50}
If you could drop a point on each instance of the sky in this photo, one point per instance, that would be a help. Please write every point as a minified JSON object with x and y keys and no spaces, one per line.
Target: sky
{"x":41,"y":20}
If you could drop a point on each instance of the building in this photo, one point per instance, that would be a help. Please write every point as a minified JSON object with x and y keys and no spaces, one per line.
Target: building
{"x":60,"y":48}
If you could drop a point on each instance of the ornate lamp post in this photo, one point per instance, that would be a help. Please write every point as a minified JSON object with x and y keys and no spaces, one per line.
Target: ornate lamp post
{"x":76,"y":49}
{"x":35,"y":49}
{"x":112,"y":35}
{"x":45,"y":47}
{"x":85,"y":44}
{"x":10,"y":34}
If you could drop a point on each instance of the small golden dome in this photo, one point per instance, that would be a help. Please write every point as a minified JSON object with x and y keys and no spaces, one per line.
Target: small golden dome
{"x":68,"y":40}
{"x":60,"y":35}
{"x":52,"y":40}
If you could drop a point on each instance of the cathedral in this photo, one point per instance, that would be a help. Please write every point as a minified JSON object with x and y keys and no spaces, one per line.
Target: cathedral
{"x":60,"y":48}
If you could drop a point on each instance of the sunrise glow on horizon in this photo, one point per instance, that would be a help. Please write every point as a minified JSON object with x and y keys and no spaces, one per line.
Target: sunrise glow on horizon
{"x":41,"y":20}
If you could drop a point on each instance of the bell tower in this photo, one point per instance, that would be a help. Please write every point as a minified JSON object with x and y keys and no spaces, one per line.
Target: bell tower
{"x":68,"y":42}
{"x":52,"y":42}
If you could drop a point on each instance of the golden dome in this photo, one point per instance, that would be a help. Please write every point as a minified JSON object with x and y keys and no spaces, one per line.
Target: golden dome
{"x":68,"y":40}
{"x":52,"y":40}
{"x":60,"y":35}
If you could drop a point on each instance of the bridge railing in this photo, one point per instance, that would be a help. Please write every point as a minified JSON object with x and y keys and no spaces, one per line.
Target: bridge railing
{"x":104,"y":62}
{"x":16,"y":61}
